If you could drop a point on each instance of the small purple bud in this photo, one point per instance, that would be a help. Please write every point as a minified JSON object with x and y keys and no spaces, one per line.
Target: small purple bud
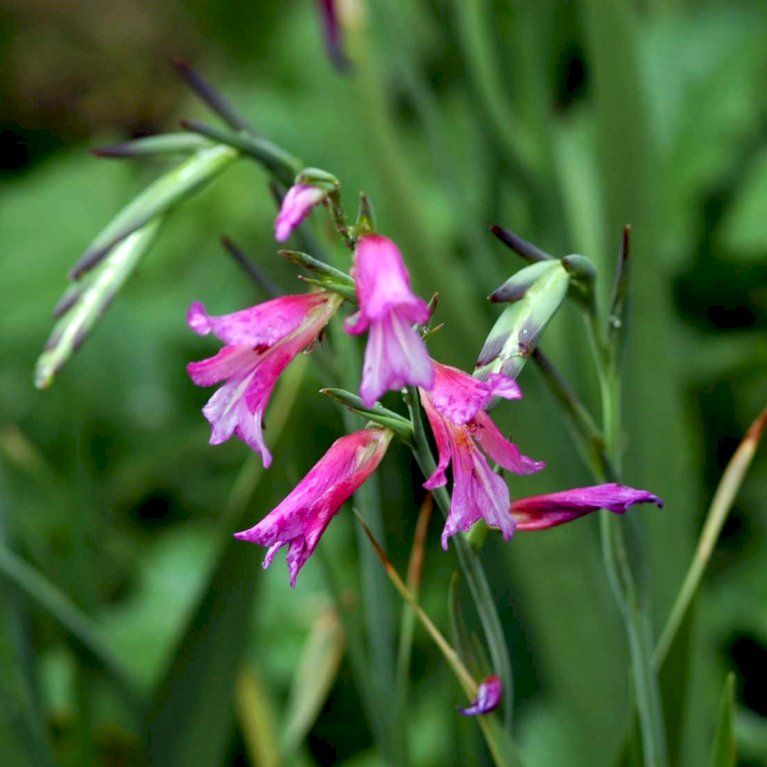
{"x":488,"y":697}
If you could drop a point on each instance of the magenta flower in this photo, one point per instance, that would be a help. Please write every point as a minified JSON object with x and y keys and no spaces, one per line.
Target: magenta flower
{"x":455,"y":409}
{"x":541,"y":511}
{"x":395,"y":354}
{"x":260,"y":343}
{"x":300,"y":520}
{"x":296,"y":206}
{"x":488,"y":697}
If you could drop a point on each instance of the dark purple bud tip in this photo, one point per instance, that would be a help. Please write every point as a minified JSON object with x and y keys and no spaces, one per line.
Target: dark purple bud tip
{"x":488,"y":697}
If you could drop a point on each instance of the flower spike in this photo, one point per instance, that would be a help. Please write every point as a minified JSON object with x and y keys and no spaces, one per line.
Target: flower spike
{"x":300,"y":520}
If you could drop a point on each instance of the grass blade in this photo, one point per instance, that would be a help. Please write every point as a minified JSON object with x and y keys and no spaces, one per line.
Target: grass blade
{"x":86,"y":635}
{"x":721,"y":504}
{"x":724,"y":752}
{"x":192,"y":712}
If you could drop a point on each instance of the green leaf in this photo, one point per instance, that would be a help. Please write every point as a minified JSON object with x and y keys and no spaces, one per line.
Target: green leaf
{"x":724,"y":753}
{"x":378,"y":413}
{"x":192,"y":713}
{"x":86,"y":635}
{"x":90,"y":299}
{"x":313,"y":680}
{"x":158,"y":198}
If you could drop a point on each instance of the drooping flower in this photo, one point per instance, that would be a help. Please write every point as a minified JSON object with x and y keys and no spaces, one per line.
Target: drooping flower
{"x":296,"y":206}
{"x":488,"y":697}
{"x":395,"y":355}
{"x":260,"y":343}
{"x":541,"y":511}
{"x":300,"y":520}
{"x":455,"y":410}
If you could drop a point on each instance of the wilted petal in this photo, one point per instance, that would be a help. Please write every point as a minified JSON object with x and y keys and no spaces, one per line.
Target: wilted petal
{"x":541,"y":511}
{"x":488,"y":697}
{"x":299,"y":521}
{"x":296,"y":206}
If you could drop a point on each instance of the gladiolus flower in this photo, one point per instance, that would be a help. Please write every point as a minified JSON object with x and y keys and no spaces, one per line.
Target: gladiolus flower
{"x":541,"y":511}
{"x":488,"y":697}
{"x":395,"y":355}
{"x":300,"y":520}
{"x":260,"y":343}
{"x":455,"y":409}
{"x":296,"y":206}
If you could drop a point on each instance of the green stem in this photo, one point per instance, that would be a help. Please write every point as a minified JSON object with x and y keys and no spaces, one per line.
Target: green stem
{"x":618,"y":566}
{"x":471,"y":566}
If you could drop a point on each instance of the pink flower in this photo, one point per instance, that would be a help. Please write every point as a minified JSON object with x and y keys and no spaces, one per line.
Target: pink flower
{"x":488,"y":697}
{"x":541,"y":511}
{"x":296,"y":206}
{"x":455,"y":409}
{"x":300,"y":520}
{"x":395,"y":355}
{"x":260,"y":343}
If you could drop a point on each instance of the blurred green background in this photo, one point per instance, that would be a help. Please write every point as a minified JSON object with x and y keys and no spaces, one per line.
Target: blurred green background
{"x":560,"y":120}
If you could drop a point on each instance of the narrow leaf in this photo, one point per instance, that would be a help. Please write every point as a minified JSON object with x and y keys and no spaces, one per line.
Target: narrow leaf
{"x":378,"y":414}
{"x":85,"y":634}
{"x":724,"y":751}
{"x":283,"y":165}
{"x":152,"y":146}
{"x":159,"y":197}
{"x":720,"y":507}
{"x":313,"y":680}
{"x":212,"y":97}
{"x":192,"y":713}
{"x":93,"y":298}
{"x":257,"y":719}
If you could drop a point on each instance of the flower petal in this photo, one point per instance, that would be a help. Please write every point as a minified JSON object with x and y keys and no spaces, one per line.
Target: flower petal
{"x":503,"y":452}
{"x":395,"y":356}
{"x":441,"y":430}
{"x":541,"y":511}
{"x":460,"y":397}
{"x":259,"y":326}
{"x":477,"y":491}
{"x":383,"y":282}
{"x":488,"y":697}
{"x":296,"y":206}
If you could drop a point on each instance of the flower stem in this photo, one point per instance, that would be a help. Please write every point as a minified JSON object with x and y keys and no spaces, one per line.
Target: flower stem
{"x":471,"y":566}
{"x":618,"y":566}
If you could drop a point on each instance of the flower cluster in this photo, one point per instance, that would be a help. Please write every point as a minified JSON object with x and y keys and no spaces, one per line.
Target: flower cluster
{"x":260,"y":342}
